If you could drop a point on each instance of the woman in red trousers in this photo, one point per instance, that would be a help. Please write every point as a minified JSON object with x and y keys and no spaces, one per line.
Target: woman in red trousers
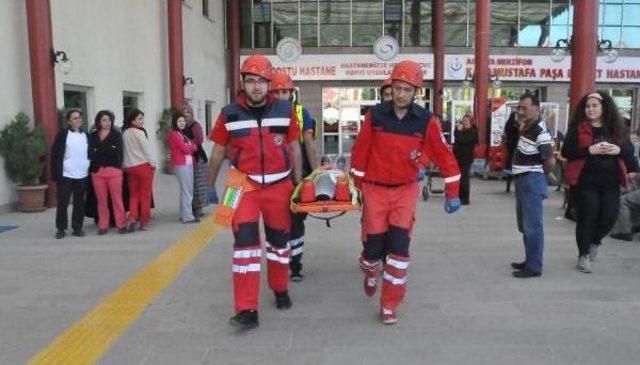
{"x":105,"y":154}
{"x":140,"y":167}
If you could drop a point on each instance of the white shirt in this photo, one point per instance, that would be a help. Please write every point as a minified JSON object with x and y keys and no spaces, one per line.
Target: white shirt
{"x":76,"y":163}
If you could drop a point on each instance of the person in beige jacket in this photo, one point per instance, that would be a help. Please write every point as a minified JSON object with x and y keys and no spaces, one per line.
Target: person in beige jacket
{"x":140,"y":167}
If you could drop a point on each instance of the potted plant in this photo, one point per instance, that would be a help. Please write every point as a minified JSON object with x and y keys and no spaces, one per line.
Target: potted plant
{"x":164,"y":127}
{"x":23,"y":149}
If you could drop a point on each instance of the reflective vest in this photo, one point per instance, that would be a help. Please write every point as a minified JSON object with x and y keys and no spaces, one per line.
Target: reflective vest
{"x":299,"y":109}
{"x":259,"y":147}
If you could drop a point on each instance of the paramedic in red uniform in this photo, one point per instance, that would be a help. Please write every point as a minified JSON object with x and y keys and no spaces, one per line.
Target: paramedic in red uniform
{"x":262,"y":133}
{"x":388,"y":158}
{"x":282,"y":88}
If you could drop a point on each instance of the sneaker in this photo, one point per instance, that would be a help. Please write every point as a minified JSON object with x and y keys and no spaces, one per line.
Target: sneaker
{"x":282,"y":300}
{"x":593,"y":252}
{"x":370,"y":285}
{"x":123,"y":230}
{"x":296,"y":276}
{"x":518,"y":265}
{"x":388,"y":316}
{"x":78,"y":233}
{"x":245,"y":320}
{"x":622,"y":236}
{"x":143,"y":228}
{"x":60,"y":234}
{"x":195,"y":220}
{"x":102,"y":232}
{"x":584,"y":264}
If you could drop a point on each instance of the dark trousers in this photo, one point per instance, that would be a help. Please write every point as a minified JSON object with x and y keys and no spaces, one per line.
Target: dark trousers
{"x":66,"y":187}
{"x":465,"y":177}
{"x":296,"y":244}
{"x":598,"y":208}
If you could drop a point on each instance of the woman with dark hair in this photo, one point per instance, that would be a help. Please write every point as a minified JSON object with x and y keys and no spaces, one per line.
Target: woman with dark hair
{"x":182,"y":149}
{"x":69,"y":169}
{"x":140,"y":167}
{"x":466,"y":139}
{"x":105,"y":153}
{"x":598,"y":160}
{"x":200,"y":166}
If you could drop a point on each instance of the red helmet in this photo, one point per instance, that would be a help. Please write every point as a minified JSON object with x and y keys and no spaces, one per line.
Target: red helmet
{"x":257,"y":65}
{"x":386,"y":84}
{"x":281,"y":81}
{"x":409,"y":72}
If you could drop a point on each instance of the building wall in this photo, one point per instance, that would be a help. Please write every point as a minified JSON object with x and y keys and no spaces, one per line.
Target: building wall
{"x":15,"y":93}
{"x":115,"y":46}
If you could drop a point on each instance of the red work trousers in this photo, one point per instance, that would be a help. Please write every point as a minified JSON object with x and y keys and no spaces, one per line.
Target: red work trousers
{"x":107,"y":182}
{"x":387,"y":223}
{"x":272,"y":201}
{"x":140,"y":183}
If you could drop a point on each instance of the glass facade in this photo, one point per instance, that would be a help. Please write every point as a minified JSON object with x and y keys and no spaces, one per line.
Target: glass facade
{"x":358,"y":23}
{"x":334,"y":23}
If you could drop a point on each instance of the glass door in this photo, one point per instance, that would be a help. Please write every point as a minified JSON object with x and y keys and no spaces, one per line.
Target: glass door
{"x":350,"y":120}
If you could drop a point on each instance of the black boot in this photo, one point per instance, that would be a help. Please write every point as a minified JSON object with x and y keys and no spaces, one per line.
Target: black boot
{"x":245,"y":320}
{"x":296,"y":268}
{"x":282,"y":300}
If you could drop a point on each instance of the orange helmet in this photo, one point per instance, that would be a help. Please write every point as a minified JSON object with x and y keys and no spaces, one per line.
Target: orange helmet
{"x":257,"y":65}
{"x":281,"y":81}
{"x":409,"y":72}
{"x":386,"y":84}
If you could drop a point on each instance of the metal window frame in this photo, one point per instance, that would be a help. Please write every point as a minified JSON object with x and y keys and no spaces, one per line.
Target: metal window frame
{"x":403,"y":23}
{"x":299,"y":24}
{"x":569,"y":21}
{"x":383,"y":4}
{"x":622,"y":23}
{"x":550,"y":18}
{"x":350,"y":23}
{"x":519,"y":22}
{"x":468,"y":42}
{"x":604,"y":15}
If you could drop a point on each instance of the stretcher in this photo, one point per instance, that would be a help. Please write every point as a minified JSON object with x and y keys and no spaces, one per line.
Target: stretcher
{"x":326,"y":209}
{"x":428,"y":189}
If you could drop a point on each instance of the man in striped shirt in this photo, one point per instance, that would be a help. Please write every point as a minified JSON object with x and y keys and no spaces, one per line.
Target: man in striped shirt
{"x":532,"y":160}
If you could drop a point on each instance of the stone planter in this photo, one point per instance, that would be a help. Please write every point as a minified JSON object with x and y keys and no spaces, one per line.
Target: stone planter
{"x":31,"y":198}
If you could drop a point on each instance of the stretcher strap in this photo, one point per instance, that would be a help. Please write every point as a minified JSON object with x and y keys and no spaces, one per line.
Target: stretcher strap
{"x":328,"y":219}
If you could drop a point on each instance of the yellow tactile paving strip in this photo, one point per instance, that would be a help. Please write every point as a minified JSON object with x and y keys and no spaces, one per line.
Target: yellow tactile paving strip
{"x":89,"y":338}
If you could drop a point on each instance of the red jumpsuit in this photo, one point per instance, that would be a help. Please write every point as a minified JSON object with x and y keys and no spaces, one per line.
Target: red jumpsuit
{"x":386,"y":156}
{"x":259,"y":142}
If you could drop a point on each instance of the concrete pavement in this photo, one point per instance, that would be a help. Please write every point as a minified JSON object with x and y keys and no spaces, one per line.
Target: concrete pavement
{"x":462,"y":305}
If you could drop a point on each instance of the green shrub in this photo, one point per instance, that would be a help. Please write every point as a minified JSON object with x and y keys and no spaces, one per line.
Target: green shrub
{"x":164,"y":124}
{"x":23,"y":149}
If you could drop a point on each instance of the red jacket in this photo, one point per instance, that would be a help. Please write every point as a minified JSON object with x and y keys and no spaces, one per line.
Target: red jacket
{"x":575,"y":166}
{"x":389,"y":151}
{"x":260,"y":145}
{"x":179,"y":147}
